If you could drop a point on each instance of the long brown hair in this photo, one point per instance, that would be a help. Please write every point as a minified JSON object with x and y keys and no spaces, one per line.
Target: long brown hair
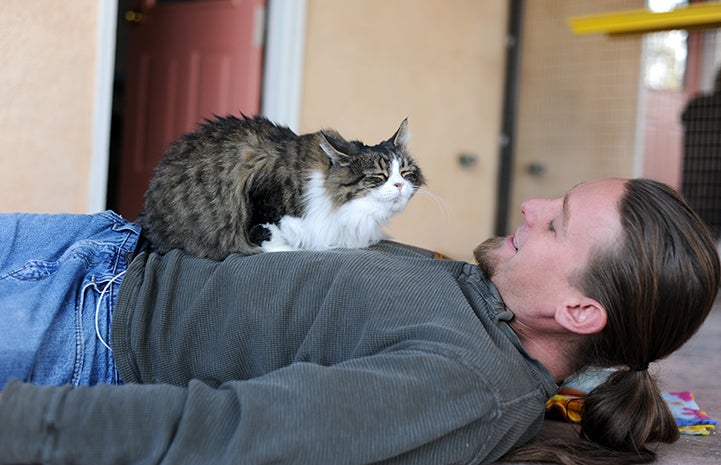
{"x":657,"y":284}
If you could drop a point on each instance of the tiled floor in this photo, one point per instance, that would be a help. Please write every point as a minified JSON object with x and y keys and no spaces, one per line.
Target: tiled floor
{"x":696,"y":367}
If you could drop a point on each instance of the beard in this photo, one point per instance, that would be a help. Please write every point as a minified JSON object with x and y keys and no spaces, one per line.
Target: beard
{"x":485,"y":256}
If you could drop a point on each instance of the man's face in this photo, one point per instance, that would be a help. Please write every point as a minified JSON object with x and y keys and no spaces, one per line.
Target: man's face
{"x":533,"y":267}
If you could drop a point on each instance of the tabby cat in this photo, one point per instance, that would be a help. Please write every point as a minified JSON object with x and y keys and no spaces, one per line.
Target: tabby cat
{"x":247,"y":185}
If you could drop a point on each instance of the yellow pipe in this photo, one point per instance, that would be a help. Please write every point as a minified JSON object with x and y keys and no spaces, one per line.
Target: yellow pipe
{"x":694,"y":16}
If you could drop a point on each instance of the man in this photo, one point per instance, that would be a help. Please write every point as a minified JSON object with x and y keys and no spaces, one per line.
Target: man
{"x":346,"y":356}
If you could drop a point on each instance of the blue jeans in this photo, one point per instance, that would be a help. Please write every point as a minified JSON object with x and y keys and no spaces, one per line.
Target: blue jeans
{"x":59,"y":278}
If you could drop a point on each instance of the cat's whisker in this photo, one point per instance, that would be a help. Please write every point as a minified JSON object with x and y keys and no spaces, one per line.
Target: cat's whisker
{"x":439,"y":201}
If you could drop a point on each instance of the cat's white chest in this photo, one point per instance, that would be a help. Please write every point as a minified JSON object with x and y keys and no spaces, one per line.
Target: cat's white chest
{"x":358,"y":223}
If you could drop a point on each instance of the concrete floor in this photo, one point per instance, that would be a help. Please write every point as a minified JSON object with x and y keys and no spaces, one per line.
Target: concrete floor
{"x":696,"y":367}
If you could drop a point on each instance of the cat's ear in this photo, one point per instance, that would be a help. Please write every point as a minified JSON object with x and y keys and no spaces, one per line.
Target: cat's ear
{"x":402,"y":135}
{"x":335,"y":155}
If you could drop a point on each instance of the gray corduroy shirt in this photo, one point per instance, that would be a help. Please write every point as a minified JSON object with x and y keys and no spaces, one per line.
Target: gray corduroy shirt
{"x":342,"y":357}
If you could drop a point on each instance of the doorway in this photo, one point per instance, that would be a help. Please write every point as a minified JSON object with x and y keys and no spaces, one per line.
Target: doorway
{"x":177,"y":63}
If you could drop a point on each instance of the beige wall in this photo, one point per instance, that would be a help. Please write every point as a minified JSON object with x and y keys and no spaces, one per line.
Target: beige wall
{"x":371,"y":63}
{"x":47,"y":51}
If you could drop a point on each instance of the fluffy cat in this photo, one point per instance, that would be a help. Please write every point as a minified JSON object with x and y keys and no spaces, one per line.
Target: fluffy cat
{"x":247,"y":185}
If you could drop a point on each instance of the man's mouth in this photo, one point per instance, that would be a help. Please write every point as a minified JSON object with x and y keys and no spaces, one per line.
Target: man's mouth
{"x":511,"y":241}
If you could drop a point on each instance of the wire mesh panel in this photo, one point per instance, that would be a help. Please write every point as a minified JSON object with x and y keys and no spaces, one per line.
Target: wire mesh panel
{"x":701,"y":178}
{"x":592,"y":106}
{"x":578,"y":101}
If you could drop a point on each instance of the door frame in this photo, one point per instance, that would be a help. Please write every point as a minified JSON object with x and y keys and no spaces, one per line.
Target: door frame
{"x":281,"y":85}
{"x":106,"y":21}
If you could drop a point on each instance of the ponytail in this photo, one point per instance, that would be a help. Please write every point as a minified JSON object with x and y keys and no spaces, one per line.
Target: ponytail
{"x":620,"y":416}
{"x":626,"y":412}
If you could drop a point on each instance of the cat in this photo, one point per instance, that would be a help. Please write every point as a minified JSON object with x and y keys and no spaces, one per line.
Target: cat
{"x":247,"y":185}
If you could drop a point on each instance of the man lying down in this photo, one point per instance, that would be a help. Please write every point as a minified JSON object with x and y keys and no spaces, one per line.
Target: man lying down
{"x":350,"y":356}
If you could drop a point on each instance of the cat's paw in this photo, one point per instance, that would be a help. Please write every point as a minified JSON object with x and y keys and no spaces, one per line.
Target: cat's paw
{"x":276,"y":243}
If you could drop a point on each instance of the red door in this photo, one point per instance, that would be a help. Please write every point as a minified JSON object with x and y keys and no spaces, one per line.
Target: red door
{"x":186,"y":61}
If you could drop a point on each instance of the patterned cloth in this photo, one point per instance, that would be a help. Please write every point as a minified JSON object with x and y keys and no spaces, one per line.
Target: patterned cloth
{"x":690,"y":418}
{"x":567,"y":405}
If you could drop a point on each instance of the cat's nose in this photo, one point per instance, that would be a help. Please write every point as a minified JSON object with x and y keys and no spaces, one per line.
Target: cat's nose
{"x":399,"y":185}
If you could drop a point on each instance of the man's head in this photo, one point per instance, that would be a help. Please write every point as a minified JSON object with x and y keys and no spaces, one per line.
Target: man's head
{"x":629,"y":277}
{"x":537,"y":267}
{"x":626,"y":261}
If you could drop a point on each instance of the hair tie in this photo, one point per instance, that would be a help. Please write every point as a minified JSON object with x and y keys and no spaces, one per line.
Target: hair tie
{"x":641,"y":368}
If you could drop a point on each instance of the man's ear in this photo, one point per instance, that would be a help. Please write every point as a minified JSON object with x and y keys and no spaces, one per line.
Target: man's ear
{"x":583,"y":317}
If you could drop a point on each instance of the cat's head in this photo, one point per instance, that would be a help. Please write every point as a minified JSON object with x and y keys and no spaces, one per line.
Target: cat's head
{"x":385,"y":173}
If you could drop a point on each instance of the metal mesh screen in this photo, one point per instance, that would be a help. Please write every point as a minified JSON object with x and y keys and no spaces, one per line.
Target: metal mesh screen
{"x":701,"y":175}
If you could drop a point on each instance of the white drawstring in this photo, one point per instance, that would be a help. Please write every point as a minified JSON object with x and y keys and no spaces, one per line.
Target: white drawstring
{"x":97,"y":310}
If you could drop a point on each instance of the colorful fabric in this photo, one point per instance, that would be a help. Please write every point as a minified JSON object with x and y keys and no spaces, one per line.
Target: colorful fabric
{"x":690,"y":418}
{"x":567,"y":404}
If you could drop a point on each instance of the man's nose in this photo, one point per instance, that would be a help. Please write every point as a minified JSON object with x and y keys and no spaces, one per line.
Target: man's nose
{"x":528,"y":211}
{"x":533,"y":210}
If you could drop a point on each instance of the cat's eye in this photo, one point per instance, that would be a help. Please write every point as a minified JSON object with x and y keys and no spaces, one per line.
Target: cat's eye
{"x":376,"y":179}
{"x":410,"y":176}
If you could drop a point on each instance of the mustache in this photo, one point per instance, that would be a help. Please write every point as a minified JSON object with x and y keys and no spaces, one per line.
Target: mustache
{"x":485,"y":257}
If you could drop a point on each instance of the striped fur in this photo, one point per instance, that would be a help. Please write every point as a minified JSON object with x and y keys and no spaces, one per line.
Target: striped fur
{"x":246,"y":185}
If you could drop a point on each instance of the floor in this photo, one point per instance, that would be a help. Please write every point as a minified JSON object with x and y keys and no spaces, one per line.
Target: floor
{"x":696,"y":367}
